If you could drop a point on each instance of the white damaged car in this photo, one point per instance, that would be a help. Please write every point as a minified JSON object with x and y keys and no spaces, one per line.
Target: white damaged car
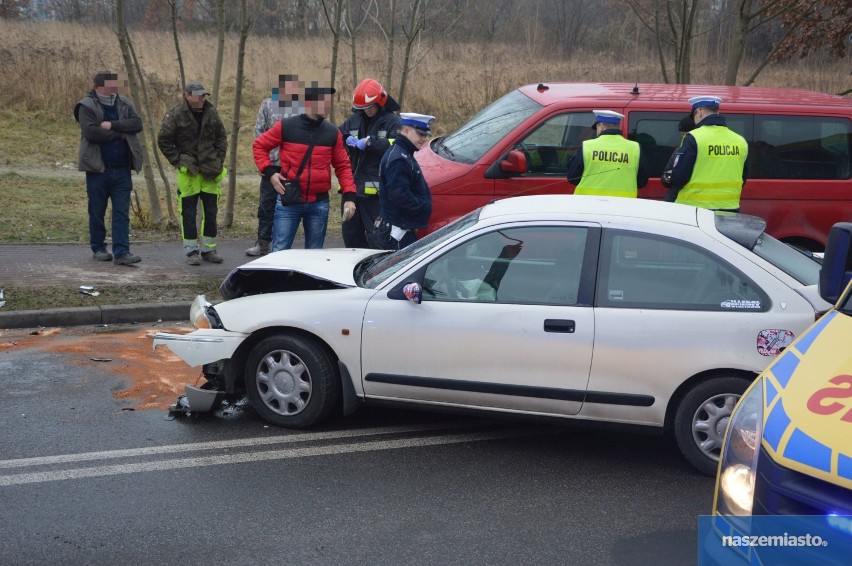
{"x":624,"y":312}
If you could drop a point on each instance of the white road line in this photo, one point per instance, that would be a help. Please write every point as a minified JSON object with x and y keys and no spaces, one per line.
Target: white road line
{"x":162,"y":465}
{"x":222,"y":444}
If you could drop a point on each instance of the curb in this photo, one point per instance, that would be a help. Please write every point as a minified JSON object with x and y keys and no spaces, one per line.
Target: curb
{"x":107,"y":314}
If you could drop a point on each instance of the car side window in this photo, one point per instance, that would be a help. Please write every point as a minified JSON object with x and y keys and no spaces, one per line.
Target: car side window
{"x":550,"y":147}
{"x":536,"y":265}
{"x":654,"y":272}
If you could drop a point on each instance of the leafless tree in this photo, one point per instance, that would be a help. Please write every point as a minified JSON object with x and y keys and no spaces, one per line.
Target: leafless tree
{"x":333,"y":12}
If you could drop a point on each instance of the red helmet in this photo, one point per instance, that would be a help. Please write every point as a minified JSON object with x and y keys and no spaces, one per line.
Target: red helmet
{"x":367,"y":93}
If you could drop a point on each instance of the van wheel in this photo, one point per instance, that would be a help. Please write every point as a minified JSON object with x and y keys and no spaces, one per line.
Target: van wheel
{"x":291,"y":381}
{"x":702,"y":418}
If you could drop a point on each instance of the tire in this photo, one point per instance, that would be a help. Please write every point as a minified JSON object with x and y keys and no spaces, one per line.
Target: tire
{"x":291,"y":381}
{"x":702,"y":417}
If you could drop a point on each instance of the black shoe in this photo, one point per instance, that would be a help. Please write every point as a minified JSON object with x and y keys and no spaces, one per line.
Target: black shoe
{"x":127,"y":259}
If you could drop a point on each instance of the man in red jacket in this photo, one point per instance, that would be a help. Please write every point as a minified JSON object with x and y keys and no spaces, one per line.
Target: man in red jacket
{"x":310,"y":146}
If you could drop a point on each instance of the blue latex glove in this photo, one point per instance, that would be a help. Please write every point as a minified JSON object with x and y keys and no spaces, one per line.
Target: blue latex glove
{"x":361,"y":144}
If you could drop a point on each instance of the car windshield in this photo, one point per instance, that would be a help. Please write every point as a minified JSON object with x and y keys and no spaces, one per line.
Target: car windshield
{"x":374,"y":270}
{"x":479,"y":134}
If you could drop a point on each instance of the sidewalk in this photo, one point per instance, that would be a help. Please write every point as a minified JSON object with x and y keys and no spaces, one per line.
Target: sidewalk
{"x":35,"y":265}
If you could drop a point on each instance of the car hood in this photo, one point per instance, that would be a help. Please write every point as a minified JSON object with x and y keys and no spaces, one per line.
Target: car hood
{"x":295,"y":270}
{"x":437,"y":170}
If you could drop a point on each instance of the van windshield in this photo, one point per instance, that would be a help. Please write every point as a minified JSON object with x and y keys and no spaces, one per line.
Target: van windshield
{"x":479,"y":134}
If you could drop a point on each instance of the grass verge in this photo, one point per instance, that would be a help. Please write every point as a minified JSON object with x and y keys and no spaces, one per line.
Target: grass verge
{"x":51,"y":297}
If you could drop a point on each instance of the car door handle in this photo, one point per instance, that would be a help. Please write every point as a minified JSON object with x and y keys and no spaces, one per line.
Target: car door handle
{"x":558,"y":325}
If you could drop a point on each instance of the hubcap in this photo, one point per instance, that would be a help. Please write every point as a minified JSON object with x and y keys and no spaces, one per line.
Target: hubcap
{"x":284,"y":382}
{"x":710,"y":421}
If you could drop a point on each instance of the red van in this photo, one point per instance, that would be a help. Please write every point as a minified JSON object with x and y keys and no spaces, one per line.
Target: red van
{"x":800,"y":149}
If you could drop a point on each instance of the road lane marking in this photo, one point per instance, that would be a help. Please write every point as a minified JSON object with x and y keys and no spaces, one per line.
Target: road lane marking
{"x":291,"y":453}
{"x":225,"y":444}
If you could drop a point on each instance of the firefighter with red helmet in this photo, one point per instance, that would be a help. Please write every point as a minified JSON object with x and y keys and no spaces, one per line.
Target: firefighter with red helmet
{"x":369,"y":131}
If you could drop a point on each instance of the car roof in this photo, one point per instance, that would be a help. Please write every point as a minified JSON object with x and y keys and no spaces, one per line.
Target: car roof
{"x":595,"y":207}
{"x":598,"y":94}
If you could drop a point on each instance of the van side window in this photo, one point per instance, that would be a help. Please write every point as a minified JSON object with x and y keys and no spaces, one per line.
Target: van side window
{"x":800,"y":147}
{"x":657,"y":135}
{"x":551,"y":146}
{"x":779,"y":147}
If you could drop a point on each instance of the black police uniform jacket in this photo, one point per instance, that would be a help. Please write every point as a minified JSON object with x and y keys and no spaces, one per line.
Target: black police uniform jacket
{"x":404,"y":196}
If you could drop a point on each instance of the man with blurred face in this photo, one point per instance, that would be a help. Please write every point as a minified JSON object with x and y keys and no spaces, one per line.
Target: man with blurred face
{"x":309,"y":146}
{"x":287,"y":100}
{"x":109,"y":150}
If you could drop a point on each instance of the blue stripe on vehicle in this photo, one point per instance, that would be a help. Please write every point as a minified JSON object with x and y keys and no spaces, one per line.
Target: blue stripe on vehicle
{"x":784,"y":367}
{"x":806,"y":450}
{"x":805,"y":341}
{"x":771,"y":392}
{"x":776,"y":424}
{"x":844,"y":466}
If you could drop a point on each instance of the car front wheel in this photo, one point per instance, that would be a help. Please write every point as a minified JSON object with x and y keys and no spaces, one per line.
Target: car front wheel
{"x":702,"y":417}
{"x":290,"y":381}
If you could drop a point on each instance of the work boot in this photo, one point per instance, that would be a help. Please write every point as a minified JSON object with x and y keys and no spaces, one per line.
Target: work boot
{"x":261,"y":247}
{"x":212,"y":257}
{"x":102,"y":255}
{"x":193,"y":259}
{"x":127,"y":259}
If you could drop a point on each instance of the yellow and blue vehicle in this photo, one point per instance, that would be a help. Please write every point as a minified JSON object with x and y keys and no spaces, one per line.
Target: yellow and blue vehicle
{"x":784,"y":483}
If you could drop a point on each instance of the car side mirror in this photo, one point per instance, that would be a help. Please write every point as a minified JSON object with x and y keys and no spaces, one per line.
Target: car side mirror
{"x":836,"y":270}
{"x":413,"y":292}
{"x":515,"y":162}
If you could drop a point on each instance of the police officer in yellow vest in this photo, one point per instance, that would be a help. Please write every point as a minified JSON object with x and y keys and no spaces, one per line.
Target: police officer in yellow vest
{"x":608,"y":164}
{"x":711,"y":164}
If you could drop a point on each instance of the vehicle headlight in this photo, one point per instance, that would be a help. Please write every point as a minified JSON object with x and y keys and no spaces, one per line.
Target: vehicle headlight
{"x":198,"y":313}
{"x":738,"y":462}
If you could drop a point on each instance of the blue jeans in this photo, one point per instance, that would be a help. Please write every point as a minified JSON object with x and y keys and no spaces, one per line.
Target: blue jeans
{"x":312,"y":215}
{"x":112,"y":185}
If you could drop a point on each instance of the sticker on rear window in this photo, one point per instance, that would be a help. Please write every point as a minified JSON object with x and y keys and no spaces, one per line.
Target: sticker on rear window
{"x":771,"y":342}
{"x":740,"y":304}
{"x":616,"y":295}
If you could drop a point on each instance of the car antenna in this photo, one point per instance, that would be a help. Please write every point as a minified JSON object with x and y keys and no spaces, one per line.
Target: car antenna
{"x":542,"y":87}
{"x":635,"y":90}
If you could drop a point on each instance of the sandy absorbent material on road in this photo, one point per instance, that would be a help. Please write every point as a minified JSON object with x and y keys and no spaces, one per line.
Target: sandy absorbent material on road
{"x":155,"y":378}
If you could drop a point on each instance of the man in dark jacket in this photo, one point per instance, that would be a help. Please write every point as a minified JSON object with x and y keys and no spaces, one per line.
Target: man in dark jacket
{"x":193,"y":139}
{"x":406,"y":202}
{"x":109,"y":149}
{"x":369,"y":131}
{"x":309,"y":147}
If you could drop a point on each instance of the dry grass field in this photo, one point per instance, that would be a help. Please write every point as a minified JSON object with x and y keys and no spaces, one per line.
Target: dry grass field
{"x":45,"y":68}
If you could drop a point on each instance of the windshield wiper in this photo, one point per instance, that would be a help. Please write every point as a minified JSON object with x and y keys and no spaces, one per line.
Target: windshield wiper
{"x":443,"y":147}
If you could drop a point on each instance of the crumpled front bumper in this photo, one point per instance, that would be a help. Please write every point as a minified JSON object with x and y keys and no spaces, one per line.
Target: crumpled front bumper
{"x":204,"y":346}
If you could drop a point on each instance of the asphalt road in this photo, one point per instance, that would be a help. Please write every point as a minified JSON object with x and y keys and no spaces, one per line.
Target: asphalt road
{"x":86,"y":480}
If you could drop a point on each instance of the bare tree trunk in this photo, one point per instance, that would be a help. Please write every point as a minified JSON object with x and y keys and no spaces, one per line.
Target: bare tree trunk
{"x":132,"y":70}
{"x":353,"y":34}
{"x":335,"y":23}
{"x":391,"y":39}
{"x":736,"y":46}
{"x":245,"y":25}
{"x":149,"y":119}
{"x":173,"y":7}
{"x":220,"y":49}
{"x":414,"y":25}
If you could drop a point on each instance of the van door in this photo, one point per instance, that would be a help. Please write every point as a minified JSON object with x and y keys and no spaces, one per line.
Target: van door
{"x":547,"y":150}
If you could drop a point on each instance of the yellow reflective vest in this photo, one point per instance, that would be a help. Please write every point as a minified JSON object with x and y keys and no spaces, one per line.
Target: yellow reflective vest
{"x":717,"y":178}
{"x":610,"y":167}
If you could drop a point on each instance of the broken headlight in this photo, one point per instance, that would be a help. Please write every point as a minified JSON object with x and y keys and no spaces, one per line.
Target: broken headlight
{"x":203,"y":315}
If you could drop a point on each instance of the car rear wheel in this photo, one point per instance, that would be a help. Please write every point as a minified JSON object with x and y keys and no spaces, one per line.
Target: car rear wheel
{"x":290,"y":381}
{"x":702,"y":417}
